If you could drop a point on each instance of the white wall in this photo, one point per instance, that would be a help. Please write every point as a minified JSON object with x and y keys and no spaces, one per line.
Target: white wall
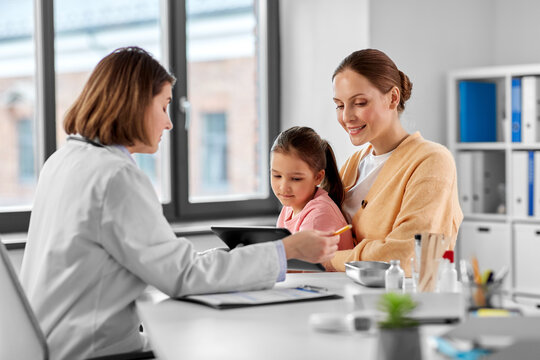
{"x":517,"y":34}
{"x":425,"y":38}
{"x":315,"y":36}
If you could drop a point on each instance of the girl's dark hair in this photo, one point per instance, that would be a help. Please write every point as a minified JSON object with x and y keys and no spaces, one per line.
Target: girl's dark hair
{"x":316,"y":152}
{"x":380,"y":70}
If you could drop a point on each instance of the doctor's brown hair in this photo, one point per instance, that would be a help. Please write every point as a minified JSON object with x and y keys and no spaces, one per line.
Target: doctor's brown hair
{"x":380,"y":70}
{"x":316,"y":152}
{"x":113,"y":102}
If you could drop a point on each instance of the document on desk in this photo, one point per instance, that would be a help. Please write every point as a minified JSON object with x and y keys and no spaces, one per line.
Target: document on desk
{"x":262,"y":297}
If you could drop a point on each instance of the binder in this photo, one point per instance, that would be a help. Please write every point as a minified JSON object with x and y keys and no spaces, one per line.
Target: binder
{"x":478,"y":185}
{"x":477,"y":111}
{"x":493,"y":165}
{"x":536,"y":185}
{"x":529,"y":109}
{"x":520,"y":184}
{"x":488,"y":178}
{"x":530,"y":184}
{"x":516,"y":110}
{"x":465,"y":182}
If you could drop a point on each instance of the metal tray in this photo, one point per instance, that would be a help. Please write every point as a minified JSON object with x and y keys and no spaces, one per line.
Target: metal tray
{"x":367,"y":273}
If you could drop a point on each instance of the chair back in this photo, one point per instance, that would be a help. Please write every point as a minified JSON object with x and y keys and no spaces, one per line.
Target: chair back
{"x":21,"y":337}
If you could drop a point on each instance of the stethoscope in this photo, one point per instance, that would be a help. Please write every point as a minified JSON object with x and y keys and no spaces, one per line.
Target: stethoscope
{"x":85,"y":140}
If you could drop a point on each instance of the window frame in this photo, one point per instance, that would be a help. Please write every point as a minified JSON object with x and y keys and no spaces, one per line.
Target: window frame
{"x":174,"y":41}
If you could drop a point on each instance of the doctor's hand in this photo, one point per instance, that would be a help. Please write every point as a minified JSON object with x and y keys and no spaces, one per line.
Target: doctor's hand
{"x":311,"y":245}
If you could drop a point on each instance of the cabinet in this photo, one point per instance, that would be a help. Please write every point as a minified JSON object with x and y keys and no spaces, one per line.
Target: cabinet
{"x":489,"y":242}
{"x":494,"y":135}
{"x":527,"y":264}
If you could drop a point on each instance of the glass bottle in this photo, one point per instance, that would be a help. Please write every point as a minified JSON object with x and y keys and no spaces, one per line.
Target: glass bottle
{"x":394,"y":277}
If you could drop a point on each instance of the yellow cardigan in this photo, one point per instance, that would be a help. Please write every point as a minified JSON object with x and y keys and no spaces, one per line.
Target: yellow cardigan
{"x":415,"y":192}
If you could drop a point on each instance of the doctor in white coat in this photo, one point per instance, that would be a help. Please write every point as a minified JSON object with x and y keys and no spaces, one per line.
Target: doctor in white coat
{"x":97,"y":234}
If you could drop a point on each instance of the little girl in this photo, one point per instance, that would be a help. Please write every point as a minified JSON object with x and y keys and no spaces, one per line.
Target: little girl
{"x":305,"y":179}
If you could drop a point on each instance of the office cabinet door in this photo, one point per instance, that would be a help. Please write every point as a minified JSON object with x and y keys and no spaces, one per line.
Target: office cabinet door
{"x":490,"y":243}
{"x":527,"y":258}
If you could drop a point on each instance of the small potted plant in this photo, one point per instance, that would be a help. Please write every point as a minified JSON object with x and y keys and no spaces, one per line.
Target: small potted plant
{"x":398,"y":334}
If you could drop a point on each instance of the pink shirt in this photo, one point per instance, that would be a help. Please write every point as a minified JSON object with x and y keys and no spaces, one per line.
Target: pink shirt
{"x":320,"y":213}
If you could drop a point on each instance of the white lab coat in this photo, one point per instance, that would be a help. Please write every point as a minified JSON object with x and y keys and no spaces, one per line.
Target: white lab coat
{"x":97,"y":237}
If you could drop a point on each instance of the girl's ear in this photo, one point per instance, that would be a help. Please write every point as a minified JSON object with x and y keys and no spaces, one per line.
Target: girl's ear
{"x":319,"y":177}
{"x":394,"y":98}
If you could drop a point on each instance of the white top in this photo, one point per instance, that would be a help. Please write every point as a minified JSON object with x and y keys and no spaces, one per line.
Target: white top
{"x":97,"y":237}
{"x":368,"y":169}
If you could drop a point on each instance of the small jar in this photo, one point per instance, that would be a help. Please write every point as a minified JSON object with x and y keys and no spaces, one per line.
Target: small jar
{"x":394,"y":277}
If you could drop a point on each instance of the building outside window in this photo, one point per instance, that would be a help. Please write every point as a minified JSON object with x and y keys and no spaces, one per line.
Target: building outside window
{"x":215,"y":174}
{"x":25,"y":149}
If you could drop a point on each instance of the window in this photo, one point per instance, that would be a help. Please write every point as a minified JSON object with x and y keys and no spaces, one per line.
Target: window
{"x":230,"y":106}
{"x":17,"y":106}
{"x":224,"y":54}
{"x":86,"y":31}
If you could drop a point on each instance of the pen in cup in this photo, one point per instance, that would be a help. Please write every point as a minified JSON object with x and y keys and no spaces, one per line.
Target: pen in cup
{"x":342,"y":230}
{"x":500,"y":275}
{"x":476,"y":270}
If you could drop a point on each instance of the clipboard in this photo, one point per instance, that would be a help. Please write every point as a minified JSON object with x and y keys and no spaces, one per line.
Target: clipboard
{"x":239,"y":299}
{"x":234,"y":236}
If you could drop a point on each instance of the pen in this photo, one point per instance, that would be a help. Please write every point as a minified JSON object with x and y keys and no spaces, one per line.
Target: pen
{"x":464,"y":272}
{"x":342,"y":230}
{"x":476,"y":270}
{"x":311,"y":288}
{"x":487,"y":277}
{"x":499,"y":277}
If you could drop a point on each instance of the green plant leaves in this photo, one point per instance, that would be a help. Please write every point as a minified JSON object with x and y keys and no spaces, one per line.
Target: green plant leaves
{"x":396,"y":306}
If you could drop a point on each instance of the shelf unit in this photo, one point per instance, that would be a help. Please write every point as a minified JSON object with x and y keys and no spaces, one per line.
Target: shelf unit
{"x":495,"y":234}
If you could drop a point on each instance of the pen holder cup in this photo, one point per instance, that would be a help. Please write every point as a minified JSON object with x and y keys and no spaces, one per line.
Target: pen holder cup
{"x":484,"y":295}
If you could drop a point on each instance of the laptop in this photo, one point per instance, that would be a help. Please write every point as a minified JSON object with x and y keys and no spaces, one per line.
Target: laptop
{"x":234,"y":236}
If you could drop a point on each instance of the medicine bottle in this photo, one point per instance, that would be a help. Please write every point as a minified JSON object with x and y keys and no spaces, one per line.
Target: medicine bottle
{"x":448,"y":279}
{"x":394,"y":277}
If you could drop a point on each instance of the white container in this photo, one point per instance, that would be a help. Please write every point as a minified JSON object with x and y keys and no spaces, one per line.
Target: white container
{"x":448,"y":280}
{"x":394,"y":277}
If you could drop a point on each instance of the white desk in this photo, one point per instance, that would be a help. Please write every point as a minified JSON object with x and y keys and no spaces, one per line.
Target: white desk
{"x":182,"y":330}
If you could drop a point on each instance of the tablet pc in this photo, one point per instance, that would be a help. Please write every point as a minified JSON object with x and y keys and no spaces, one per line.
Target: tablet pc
{"x":234,"y":236}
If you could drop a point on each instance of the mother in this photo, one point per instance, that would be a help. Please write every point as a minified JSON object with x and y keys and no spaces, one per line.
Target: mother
{"x":399,"y":184}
